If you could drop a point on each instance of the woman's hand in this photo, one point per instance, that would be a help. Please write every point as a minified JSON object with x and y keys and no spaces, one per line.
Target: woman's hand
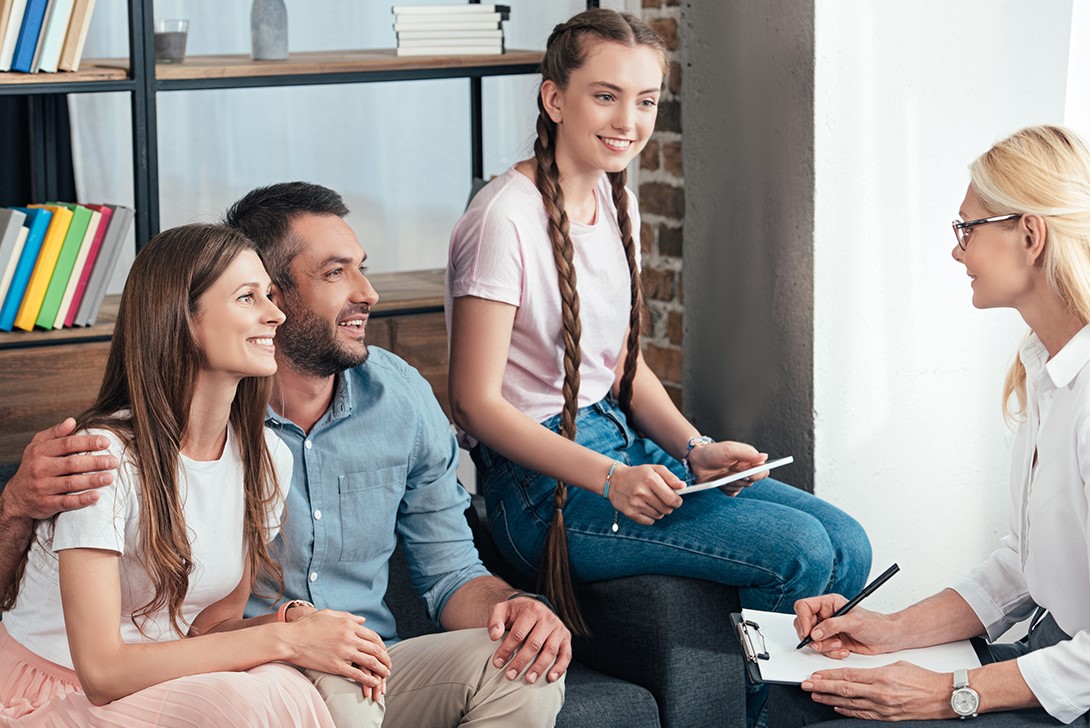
{"x":901,"y":691}
{"x":860,"y":630}
{"x":338,"y":643}
{"x":645,"y":493}
{"x":717,"y":459}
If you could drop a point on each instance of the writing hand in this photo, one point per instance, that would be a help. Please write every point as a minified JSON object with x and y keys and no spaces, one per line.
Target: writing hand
{"x":860,"y":631}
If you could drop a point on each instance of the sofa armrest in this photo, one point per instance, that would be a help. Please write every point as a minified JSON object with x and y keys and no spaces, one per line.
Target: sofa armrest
{"x":672,"y":636}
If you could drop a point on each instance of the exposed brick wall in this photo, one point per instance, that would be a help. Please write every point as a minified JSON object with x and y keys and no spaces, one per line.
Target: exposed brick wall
{"x":662,"y":205}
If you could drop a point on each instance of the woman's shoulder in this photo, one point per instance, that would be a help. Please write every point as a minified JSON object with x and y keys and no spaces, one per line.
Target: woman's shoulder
{"x":510,"y":196}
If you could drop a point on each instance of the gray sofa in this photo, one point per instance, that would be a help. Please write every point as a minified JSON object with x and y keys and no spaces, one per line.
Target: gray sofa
{"x":661,"y":652}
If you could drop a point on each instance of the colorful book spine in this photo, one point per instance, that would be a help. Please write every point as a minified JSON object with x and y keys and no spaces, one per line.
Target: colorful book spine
{"x":77,"y":268}
{"x":11,"y":227}
{"x":38,"y":222}
{"x":105,"y":212}
{"x":29,"y":31}
{"x":72,"y":52}
{"x":9,"y":271}
{"x":104,"y":266}
{"x":66,"y":261}
{"x":43,"y":268}
{"x":53,"y":35}
{"x":10,"y":37}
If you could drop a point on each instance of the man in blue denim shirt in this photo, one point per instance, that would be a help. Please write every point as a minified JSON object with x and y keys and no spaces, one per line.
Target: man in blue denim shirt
{"x":374,"y":459}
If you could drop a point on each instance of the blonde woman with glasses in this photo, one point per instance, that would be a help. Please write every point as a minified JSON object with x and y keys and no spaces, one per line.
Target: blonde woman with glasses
{"x":1024,"y":239}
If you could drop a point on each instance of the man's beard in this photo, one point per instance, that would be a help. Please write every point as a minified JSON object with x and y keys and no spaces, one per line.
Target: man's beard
{"x":311,"y":344}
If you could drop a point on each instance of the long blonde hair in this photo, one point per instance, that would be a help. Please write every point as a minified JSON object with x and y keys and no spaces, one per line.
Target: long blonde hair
{"x":566,"y":51}
{"x":1045,"y":171}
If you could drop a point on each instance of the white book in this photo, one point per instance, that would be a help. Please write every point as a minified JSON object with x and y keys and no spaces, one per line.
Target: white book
{"x":485,"y":50}
{"x":449,"y":41}
{"x":462,"y":9}
{"x":13,"y":262}
{"x":11,"y":228}
{"x":77,"y":269}
{"x":53,"y":35}
{"x":11,"y":34}
{"x":438,"y":22}
{"x":490,"y":34}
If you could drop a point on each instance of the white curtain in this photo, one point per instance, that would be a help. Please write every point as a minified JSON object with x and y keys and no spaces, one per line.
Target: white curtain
{"x":399,"y":152}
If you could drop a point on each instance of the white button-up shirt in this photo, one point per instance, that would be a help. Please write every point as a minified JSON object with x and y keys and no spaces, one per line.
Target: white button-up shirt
{"x":1045,"y":559}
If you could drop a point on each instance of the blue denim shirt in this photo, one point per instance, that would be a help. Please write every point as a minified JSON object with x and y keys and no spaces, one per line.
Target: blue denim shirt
{"x":379,"y":463}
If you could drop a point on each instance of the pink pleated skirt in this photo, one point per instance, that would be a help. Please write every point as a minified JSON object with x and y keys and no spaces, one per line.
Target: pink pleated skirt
{"x":37,"y":693}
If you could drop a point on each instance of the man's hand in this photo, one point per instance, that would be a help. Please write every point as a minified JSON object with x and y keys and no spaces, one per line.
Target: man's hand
{"x":55,"y":476}
{"x":541,"y":639}
{"x":901,"y":691}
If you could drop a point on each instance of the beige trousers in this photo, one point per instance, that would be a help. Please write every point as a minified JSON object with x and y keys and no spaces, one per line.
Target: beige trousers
{"x":441,"y":681}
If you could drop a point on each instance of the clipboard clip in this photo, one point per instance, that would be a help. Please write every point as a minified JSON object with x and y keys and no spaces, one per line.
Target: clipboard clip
{"x":749,"y":635}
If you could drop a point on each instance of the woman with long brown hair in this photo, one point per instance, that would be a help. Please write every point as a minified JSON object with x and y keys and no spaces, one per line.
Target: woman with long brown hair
{"x":548,"y":383}
{"x":94,"y":633}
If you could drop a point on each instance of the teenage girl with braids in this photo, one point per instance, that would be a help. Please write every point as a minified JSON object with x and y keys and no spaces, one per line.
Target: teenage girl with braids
{"x":546,"y":374}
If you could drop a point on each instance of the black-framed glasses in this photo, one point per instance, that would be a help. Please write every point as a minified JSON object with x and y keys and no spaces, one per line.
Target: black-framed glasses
{"x":962,"y":230}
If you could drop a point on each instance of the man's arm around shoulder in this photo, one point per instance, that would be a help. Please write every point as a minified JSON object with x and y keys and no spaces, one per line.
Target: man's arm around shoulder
{"x":54,"y":475}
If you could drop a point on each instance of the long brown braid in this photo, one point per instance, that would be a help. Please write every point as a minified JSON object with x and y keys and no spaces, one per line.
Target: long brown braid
{"x":565,"y":52}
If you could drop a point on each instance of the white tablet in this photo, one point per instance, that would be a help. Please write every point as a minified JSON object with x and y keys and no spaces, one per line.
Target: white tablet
{"x":736,"y":476}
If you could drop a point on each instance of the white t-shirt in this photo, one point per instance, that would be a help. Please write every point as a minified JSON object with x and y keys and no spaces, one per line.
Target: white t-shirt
{"x":500,"y":251}
{"x":1045,"y":559}
{"x":212,"y":497}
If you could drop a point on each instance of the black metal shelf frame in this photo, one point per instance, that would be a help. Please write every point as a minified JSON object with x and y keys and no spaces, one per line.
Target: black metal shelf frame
{"x":143,"y":88}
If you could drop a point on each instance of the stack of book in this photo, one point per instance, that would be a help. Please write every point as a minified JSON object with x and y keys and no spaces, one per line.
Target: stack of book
{"x":56,"y":261}
{"x":450,"y":30}
{"x":43,"y":35}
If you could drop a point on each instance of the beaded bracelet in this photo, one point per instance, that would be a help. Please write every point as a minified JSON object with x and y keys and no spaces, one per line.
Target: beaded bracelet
{"x":694,"y":441}
{"x":609,"y":479}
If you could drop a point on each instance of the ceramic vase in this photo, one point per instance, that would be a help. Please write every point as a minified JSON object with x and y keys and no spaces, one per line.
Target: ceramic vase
{"x":269,"y":30}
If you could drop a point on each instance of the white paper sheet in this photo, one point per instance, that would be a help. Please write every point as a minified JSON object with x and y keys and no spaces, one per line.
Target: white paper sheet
{"x":788,"y":665}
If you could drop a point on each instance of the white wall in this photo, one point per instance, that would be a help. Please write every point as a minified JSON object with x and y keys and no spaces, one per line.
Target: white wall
{"x":398,"y":152}
{"x":907,"y":374}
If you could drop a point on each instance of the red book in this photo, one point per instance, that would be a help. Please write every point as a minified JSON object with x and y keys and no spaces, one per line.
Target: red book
{"x":85,"y":274}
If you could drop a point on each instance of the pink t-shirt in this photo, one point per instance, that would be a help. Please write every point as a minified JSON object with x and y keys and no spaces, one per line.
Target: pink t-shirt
{"x":500,"y":251}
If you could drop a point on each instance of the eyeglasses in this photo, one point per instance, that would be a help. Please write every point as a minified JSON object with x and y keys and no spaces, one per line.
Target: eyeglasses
{"x":962,"y":230}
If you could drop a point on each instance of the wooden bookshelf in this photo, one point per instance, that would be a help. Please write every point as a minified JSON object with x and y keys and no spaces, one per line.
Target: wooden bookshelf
{"x":89,"y":71}
{"x":319,"y":63}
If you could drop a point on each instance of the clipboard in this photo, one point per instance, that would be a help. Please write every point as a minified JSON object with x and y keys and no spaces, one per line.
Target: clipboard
{"x":768,"y":642}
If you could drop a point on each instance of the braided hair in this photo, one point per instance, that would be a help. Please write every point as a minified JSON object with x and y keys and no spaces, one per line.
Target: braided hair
{"x":566,"y":51}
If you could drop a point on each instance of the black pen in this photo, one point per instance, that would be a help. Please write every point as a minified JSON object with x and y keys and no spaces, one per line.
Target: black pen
{"x":867,"y":591}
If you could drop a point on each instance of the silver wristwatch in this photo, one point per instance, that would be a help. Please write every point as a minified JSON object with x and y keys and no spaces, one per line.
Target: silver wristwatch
{"x":965,"y":701}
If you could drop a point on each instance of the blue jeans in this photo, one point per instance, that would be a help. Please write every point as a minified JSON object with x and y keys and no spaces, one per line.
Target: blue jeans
{"x":775,"y":542}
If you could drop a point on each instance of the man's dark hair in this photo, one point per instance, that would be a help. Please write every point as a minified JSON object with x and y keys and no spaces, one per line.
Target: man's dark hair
{"x":265,"y":214}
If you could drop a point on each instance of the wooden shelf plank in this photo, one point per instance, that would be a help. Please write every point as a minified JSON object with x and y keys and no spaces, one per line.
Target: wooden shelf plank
{"x":321,"y":62}
{"x":89,"y":71}
{"x":400,"y":292}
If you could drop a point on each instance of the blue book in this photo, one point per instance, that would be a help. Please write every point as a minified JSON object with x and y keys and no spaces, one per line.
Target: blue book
{"x":33,"y":18}
{"x":37,"y":220}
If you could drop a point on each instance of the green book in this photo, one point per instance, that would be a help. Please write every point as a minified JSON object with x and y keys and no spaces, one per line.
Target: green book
{"x":73,"y":240}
